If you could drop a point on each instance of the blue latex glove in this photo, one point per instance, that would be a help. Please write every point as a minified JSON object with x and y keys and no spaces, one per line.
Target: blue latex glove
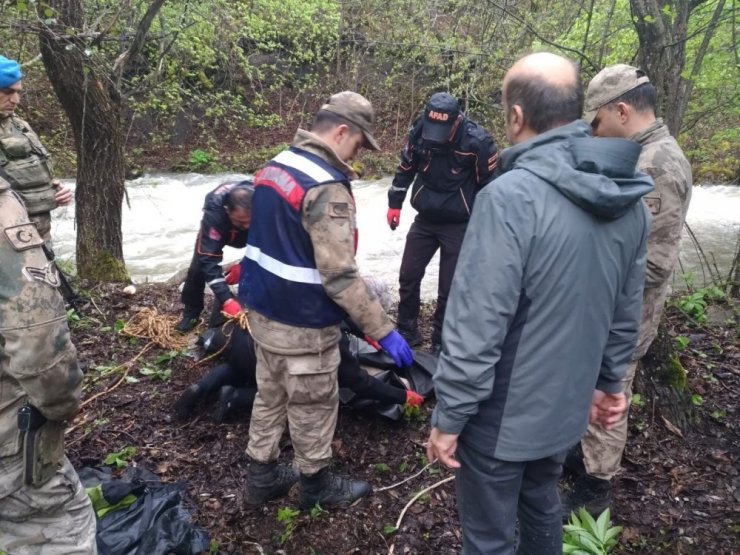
{"x":398,"y":349}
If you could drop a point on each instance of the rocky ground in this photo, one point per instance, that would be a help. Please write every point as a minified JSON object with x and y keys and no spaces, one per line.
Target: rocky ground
{"x":676,"y":493}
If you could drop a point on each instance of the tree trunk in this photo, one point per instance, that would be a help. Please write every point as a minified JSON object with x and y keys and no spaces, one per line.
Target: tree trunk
{"x":734,"y":275}
{"x":662,"y":53}
{"x":93,"y":107}
{"x":662,"y":28}
{"x":662,"y":381}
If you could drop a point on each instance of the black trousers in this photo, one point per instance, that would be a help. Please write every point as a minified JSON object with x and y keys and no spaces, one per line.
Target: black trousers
{"x":492,"y":493}
{"x":241,"y":369}
{"x":193,"y":292}
{"x":422,"y":242}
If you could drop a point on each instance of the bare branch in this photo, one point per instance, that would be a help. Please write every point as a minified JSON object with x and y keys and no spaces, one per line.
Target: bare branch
{"x":138,"y":43}
{"x":688,"y":84}
{"x":519,"y":19}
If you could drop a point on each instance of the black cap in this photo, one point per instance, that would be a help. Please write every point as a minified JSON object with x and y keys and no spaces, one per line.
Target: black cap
{"x":440,"y":118}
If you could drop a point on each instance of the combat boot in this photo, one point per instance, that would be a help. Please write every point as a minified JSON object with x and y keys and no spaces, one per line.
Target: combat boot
{"x":187,"y":323}
{"x":330,"y":491}
{"x":573,"y":463}
{"x":185,"y":405}
{"x":412,"y":335}
{"x":592,"y":493}
{"x":267,"y":481}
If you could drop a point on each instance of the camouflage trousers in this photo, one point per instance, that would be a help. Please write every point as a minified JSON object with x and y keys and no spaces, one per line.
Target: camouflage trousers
{"x":55,"y":519}
{"x":301,"y":389}
{"x":602,"y":449}
{"x":43,"y":224}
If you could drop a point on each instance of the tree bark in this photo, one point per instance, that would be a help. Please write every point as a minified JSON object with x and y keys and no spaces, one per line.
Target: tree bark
{"x":662,"y":52}
{"x":662,"y":29}
{"x":662,"y":381}
{"x":91,"y":99}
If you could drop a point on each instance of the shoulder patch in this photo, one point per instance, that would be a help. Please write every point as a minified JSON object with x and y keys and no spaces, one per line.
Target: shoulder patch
{"x":652,"y":201}
{"x":339,"y":209}
{"x":214,"y":234}
{"x":24,"y":236}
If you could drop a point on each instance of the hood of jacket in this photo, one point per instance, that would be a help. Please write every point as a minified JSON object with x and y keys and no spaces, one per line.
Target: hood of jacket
{"x":597,"y":174}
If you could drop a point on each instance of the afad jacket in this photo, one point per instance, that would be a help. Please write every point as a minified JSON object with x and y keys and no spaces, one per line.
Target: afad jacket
{"x":446,"y":178}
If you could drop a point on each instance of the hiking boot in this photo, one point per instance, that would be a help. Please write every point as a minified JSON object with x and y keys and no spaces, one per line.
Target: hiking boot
{"x":187,"y":323}
{"x":412,"y":336}
{"x":266,"y":481}
{"x":592,"y":493}
{"x":573,"y":463}
{"x":330,"y":491}
{"x":225,"y":403}
{"x":184,"y":406}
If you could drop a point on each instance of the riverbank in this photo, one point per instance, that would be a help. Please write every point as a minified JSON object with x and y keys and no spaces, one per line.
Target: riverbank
{"x":676,"y":494}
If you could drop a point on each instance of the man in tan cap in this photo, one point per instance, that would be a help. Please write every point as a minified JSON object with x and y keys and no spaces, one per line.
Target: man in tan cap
{"x":620,"y":102}
{"x":299,"y":281}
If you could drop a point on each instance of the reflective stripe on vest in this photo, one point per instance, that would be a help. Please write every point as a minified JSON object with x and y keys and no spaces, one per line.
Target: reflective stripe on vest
{"x":279,"y":277}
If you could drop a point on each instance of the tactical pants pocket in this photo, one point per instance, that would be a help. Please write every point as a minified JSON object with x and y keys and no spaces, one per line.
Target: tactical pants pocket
{"x":27,"y":501}
{"x":312,"y":378}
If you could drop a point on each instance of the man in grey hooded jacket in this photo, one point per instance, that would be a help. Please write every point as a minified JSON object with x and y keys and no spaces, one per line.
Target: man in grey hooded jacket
{"x":540,"y":344}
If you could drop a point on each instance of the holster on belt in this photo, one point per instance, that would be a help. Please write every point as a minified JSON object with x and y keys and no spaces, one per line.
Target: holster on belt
{"x":43,"y":446}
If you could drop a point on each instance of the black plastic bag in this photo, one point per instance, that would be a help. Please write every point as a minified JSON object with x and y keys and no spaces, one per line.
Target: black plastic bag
{"x":155,"y":524}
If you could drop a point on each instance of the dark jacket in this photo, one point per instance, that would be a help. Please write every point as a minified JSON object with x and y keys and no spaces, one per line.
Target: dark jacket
{"x":217,"y":231}
{"x":561,"y":240}
{"x":447,"y":177}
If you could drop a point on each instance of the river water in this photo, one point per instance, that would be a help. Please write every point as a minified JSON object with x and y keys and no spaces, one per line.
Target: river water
{"x":160,"y":227}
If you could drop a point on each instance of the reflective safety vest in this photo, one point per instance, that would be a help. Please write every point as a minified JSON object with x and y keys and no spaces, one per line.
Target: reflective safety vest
{"x":26,"y":165}
{"x":279,"y":278}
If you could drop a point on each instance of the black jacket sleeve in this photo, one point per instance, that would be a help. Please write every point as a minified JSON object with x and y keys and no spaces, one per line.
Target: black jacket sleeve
{"x":210,"y":252}
{"x":407,"y":169}
{"x":480,"y":142}
{"x":362,"y":384}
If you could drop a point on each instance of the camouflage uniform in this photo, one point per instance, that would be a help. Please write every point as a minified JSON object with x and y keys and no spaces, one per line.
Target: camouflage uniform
{"x":665,"y":162}
{"x":38,"y":366}
{"x":297,"y":366}
{"x":26,"y":165}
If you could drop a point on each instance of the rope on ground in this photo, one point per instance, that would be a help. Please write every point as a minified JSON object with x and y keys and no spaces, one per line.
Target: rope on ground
{"x":413,"y":500}
{"x":147,"y":323}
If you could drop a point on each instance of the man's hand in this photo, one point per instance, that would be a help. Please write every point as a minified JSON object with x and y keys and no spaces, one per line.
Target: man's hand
{"x":442,"y":446}
{"x":398,"y":349}
{"x":607,"y":408}
{"x":63,"y":195}
{"x":231,"y":307}
{"x":234,"y":273}
{"x":394,"y":217}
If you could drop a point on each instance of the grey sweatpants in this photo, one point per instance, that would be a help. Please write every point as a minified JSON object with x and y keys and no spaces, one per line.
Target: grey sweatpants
{"x":492,"y":493}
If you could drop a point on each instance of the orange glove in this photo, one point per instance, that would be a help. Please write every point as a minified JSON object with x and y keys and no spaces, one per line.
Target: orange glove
{"x":374,"y":344}
{"x":234,"y":273}
{"x":231,"y":307}
{"x":394,"y":217}
{"x":413,"y":399}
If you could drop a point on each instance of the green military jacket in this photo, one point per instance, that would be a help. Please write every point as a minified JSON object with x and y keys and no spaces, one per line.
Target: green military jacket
{"x":664,"y":161}
{"x":38,"y":363}
{"x":26,"y":165}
